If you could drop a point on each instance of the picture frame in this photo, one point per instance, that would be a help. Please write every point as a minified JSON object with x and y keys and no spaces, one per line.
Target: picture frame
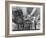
{"x":8,"y":7}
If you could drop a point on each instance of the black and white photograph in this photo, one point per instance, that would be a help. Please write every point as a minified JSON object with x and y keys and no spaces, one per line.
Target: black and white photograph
{"x":25,"y":19}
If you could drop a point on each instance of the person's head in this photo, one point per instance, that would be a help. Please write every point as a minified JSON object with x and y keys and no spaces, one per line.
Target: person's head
{"x":18,"y":13}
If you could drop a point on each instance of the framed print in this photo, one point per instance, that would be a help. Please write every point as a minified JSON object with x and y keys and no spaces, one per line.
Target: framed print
{"x":24,"y":18}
